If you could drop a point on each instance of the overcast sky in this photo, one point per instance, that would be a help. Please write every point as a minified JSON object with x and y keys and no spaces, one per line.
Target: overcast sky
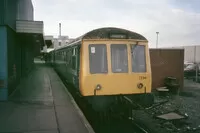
{"x":178,"y":21}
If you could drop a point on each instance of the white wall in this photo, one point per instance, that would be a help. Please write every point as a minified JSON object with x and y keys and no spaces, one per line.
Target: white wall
{"x":61,"y":41}
{"x":190,"y":53}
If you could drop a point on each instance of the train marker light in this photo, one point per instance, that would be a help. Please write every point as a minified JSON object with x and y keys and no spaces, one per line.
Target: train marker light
{"x":140,"y":85}
{"x":98,"y":87}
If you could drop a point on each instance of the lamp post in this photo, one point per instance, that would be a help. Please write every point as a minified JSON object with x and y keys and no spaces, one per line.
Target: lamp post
{"x":157,"y":40}
{"x":195,"y":61}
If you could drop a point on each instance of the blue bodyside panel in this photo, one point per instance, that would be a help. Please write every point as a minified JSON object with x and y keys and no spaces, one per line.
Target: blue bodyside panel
{"x":3,"y":64}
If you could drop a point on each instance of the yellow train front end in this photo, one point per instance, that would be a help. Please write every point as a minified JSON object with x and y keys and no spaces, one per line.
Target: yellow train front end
{"x":114,"y":67}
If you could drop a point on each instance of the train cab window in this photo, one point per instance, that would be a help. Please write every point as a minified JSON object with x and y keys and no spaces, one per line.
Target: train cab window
{"x":119,"y":58}
{"x":138,"y":58}
{"x":98,"y":58}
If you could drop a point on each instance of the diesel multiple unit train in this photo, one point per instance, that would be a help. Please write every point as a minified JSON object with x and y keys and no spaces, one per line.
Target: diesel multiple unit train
{"x":105,"y":64}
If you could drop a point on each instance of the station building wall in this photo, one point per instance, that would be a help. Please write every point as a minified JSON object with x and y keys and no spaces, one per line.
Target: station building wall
{"x":11,"y":46}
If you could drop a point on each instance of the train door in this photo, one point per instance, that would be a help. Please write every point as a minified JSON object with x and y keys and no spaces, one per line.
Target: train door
{"x":75,"y":58}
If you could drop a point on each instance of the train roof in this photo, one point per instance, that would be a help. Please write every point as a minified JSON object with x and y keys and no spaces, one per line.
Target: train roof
{"x":106,"y":33}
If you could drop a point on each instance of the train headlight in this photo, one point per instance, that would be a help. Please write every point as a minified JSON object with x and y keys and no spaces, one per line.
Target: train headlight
{"x":98,"y":87}
{"x":140,"y":85}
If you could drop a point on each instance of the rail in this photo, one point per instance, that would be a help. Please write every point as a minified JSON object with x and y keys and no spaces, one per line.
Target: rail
{"x":133,"y":121}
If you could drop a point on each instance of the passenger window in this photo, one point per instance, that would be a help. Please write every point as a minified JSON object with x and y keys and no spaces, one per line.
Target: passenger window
{"x":119,"y":58}
{"x":98,"y":58}
{"x":74,"y":62}
{"x":68,"y":57}
{"x":138,"y":58}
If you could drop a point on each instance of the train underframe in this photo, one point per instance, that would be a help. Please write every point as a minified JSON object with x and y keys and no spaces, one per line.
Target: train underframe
{"x":116,"y":106}
{"x":105,"y":107}
{"x":103,"y":103}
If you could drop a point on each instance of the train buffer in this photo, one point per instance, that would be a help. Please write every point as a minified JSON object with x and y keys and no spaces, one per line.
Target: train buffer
{"x":42,"y":104}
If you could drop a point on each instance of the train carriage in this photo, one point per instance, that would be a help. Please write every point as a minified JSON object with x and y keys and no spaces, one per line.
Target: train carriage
{"x":104,"y":64}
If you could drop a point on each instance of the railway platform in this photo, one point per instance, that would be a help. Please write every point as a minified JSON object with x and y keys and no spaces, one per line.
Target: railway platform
{"x":42,"y":104}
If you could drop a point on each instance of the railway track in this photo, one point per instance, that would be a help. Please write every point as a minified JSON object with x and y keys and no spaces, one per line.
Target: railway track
{"x":140,"y":128}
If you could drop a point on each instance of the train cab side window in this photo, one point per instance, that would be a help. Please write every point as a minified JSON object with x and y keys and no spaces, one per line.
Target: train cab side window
{"x":98,"y":58}
{"x":119,"y":58}
{"x":74,"y":58}
{"x":138,"y":58}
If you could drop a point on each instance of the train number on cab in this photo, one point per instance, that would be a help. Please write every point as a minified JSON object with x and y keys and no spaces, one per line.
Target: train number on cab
{"x":142,"y":77}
